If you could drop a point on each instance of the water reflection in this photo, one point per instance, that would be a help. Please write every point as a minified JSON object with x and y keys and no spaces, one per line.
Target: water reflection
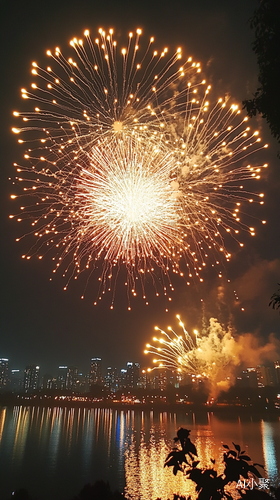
{"x":145,"y":476}
{"x":21,"y":432}
{"x":88,"y":434}
{"x":2,"y":421}
{"x":269,"y":451}
{"x":55,"y":431}
{"x":64,"y":448}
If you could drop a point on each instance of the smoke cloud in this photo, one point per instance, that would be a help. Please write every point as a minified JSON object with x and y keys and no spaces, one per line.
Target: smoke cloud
{"x":220,"y":353}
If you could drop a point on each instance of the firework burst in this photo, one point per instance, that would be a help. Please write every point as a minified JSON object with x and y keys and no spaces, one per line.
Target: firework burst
{"x":175,"y":351}
{"x":212,"y":355}
{"x":131,"y":166}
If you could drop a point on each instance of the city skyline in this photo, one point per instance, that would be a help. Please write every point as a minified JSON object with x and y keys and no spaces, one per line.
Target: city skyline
{"x":132,"y":376}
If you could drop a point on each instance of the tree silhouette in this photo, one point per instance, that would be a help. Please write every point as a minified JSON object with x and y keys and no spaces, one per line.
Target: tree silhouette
{"x":209,"y":485}
{"x":266,"y":101}
{"x":98,"y":491}
{"x":275,"y":299}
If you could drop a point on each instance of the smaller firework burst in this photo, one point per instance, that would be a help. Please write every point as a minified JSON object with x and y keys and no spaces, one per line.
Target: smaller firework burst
{"x":212,"y":355}
{"x":175,"y":351}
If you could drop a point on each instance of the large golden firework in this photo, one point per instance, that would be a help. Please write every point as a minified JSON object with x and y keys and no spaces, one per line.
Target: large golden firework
{"x":128,"y":165}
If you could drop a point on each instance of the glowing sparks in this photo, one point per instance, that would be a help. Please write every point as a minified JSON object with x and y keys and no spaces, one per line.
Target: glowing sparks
{"x":175,"y":351}
{"x":212,"y":355}
{"x":132,"y":167}
{"x":127,"y":199}
{"x":125,"y":212}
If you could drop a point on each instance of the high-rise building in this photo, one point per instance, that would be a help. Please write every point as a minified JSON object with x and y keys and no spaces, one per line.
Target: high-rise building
{"x":111,"y":379}
{"x":4,"y":373}
{"x":48,"y":381}
{"x":132,"y":374}
{"x":67,"y":377}
{"x":62,"y":377}
{"x":16,"y":377}
{"x":160,"y":379}
{"x":71,"y":380}
{"x":95,"y":374}
{"x":250,"y":378}
{"x":264,"y":376}
{"x":123,"y":379}
{"x":277,"y":372}
{"x":81,"y":383}
{"x":31,"y":377}
{"x":146,"y":379}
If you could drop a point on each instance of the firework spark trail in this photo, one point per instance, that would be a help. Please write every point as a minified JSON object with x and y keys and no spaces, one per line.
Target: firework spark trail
{"x":174,"y":353}
{"x":214,"y":354}
{"x":209,"y":354}
{"x":132,"y":166}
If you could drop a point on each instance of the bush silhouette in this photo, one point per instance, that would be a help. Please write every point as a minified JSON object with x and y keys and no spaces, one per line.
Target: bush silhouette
{"x":239,"y":470}
{"x":98,"y":491}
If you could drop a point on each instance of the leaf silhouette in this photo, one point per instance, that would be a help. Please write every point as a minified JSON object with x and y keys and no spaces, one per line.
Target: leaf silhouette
{"x":254,"y":471}
{"x":236,"y":446}
{"x":195,"y":463}
{"x":245,"y":457}
{"x":259,"y":465}
{"x":210,"y":485}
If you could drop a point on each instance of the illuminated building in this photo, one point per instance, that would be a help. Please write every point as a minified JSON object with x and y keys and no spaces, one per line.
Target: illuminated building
{"x":4,"y":373}
{"x":132,"y":375}
{"x":123,"y":379}
{"x":71,"y":379}
{"x":48,"y":382}
{"x":248,"y":378}
{"x":111,"y":379}
{"x":81,"y":382}
{"x":31,"y":377}
{"x":264,"y":376}
{"x":277,"y":372}
{"x":67,"y":377}
{"x":160,"y":380}
{"x":95,"y":374}
{"x":62,"y":377}
{"x":16,"y":378}
{"x":145,"y":379}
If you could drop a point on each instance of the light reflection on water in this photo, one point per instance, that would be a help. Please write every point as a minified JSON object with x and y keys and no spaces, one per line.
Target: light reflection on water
{"x":269,"y":450}
{"x":64,"y":448}
{"x":145,"y":476}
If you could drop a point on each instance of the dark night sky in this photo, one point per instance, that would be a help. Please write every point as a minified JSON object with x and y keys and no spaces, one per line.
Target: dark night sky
{"x":40,"y":323}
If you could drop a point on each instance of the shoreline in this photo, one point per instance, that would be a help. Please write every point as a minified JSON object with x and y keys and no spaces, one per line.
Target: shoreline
{"x":193,"y":408}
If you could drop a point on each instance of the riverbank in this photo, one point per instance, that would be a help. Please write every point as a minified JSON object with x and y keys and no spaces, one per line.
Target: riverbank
{"x":72,"y":401}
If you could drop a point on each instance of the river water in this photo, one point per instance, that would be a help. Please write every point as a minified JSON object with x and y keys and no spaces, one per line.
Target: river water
{"x":53,"y":452}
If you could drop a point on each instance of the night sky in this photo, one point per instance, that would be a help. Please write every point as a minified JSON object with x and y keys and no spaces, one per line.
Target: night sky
{"x":42,"y":324}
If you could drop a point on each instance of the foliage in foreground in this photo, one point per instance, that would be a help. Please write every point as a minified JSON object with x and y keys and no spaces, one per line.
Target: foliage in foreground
{"x":266,"y":24}
{"x":275,"y":299}
{"x":209,"y":485}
